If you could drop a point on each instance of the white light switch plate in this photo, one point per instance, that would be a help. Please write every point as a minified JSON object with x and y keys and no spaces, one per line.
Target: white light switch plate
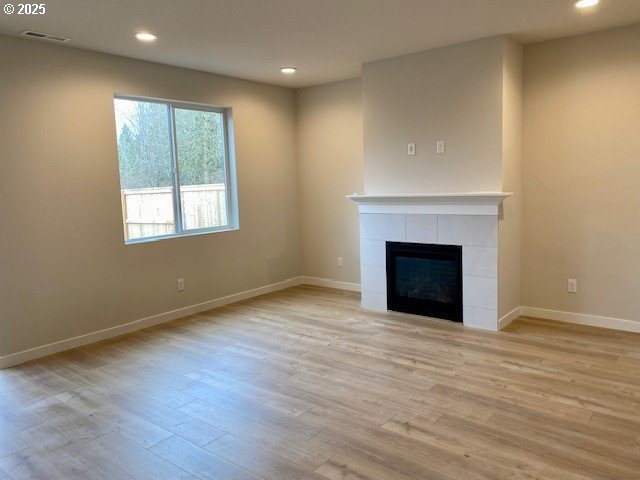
{"x":411,"y":149}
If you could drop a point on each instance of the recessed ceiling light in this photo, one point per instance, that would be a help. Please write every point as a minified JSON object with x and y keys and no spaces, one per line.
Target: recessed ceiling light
{"x":145,"y":36}
{"x":288,"y":70}
{"x":586,"y":3}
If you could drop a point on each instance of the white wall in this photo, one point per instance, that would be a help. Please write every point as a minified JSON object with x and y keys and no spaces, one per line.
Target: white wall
{"x":330,"y":166}
{"x":65,"y":268}
{"x":452,"y":93}
{"x":581,"y":173}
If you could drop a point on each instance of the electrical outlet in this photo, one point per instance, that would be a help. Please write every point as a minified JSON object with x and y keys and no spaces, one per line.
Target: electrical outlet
{"x":181,"y":284}
{"x":411,"y":149}
{"x":440,"y":147}
{"x":572,"y":285}
{"x":340,"y":264}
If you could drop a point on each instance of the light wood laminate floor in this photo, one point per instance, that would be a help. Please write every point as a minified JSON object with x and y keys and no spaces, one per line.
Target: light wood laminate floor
{"x":303,"y":384}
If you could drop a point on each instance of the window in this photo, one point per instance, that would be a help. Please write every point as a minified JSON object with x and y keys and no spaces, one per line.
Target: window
{"x":177,"y":176}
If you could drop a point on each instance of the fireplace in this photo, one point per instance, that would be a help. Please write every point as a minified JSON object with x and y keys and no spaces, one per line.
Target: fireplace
{"x":425,"y":279}
{"x":468,"y":220}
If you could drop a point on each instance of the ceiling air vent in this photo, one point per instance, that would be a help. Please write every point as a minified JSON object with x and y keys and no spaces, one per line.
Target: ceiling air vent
{"x":44,"y":36}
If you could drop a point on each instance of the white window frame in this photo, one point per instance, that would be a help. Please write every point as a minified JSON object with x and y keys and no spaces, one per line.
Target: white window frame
{"x":229,"y":168}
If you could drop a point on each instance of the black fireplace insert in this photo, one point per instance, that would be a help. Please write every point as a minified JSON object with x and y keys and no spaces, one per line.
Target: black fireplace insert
{"x":425,"y":279}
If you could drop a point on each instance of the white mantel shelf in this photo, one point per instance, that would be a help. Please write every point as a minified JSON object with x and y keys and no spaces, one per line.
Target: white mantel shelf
{"x":465,"y":203}
{"x":493,"y":198}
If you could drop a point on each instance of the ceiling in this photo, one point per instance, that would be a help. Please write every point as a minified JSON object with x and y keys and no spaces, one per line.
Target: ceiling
{"x":327,"y":40}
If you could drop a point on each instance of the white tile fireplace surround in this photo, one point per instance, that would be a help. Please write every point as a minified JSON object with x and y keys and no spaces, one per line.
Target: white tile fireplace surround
{"x":469,"y":220}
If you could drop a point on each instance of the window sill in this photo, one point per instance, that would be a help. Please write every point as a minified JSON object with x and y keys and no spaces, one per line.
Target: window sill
{"x":138,"y":241}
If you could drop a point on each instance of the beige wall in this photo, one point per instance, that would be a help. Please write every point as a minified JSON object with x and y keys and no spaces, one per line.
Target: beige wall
{"x":65,"y":268}
{"x":330,"y":166}
{"x":510,"y":224}
{"x":582,"y":172}
{"x":452,"y":93}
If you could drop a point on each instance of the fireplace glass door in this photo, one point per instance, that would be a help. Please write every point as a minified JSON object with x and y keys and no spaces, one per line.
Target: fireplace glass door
{"x":425,"y":279}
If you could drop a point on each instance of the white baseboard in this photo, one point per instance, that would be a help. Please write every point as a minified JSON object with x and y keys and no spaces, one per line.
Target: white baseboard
{"x":44,"y":350}
{"x":582,"y":319}
{"x":326,"y":282}
{"x":509,"y":317}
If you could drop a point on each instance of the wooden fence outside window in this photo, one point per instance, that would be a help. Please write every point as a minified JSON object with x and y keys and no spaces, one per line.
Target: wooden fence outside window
{"x":148,"y":212}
